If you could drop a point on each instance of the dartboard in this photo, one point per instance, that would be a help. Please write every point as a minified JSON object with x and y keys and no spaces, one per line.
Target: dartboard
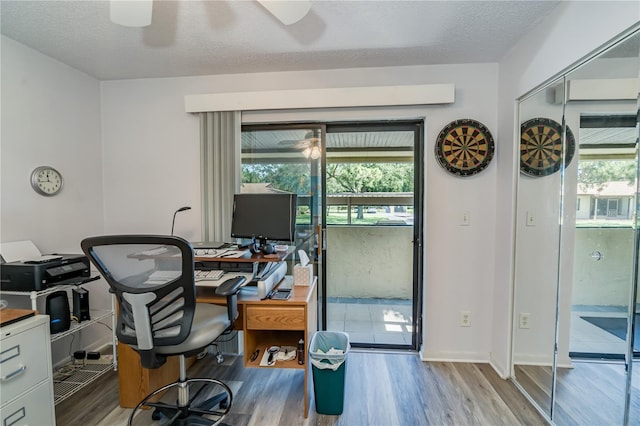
{"x":541,"y":147}
{"x":464,"y":147}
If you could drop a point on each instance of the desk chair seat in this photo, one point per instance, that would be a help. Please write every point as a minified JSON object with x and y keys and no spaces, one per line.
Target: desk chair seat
{"x":153,"y":279}
{"x":209,"y":322}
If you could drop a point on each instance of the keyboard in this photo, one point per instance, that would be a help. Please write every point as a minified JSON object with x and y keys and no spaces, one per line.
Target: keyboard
{"x":213,"y":274}
{"x":161,"y":277}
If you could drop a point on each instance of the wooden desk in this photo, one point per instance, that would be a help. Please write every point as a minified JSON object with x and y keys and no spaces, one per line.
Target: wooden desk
{"x":264,"y":323}
{"x":137,"y":382}
{"x":275,"y":323}
{"x":248,"y":257}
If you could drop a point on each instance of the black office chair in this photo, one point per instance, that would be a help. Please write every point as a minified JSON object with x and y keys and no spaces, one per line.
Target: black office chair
{"x":152,"y":277}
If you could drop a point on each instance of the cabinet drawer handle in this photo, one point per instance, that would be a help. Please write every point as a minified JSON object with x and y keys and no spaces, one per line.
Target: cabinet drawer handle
{"x":16,"y":416}
{"x":13,"y":374}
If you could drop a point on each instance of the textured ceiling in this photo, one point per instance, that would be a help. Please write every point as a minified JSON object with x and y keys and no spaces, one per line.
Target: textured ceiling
{"x":204,"y":37}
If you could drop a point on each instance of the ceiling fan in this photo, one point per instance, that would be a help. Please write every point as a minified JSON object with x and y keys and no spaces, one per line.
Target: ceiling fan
{"x":310,"y":145}
{"x":137,"y":13}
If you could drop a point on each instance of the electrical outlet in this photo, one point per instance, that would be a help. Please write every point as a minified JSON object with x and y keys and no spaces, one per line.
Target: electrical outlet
{"x":524,"y":320}
{"x":465,"y":318}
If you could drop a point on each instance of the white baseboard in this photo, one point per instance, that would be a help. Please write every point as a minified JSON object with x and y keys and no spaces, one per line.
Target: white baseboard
{"x":446,"y":356}
{"x":502,"y":371}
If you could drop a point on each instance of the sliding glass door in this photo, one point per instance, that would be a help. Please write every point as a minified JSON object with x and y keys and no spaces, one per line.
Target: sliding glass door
{"x":359,"y":189}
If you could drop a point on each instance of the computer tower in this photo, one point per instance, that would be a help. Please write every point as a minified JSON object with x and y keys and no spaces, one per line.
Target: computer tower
{"x":57,"y":307}
{"x":81,"y":304}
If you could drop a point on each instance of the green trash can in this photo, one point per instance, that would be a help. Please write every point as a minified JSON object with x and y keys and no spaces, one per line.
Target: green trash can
{"x":328,"y":353}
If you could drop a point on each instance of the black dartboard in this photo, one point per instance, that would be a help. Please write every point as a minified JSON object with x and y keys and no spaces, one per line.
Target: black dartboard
{"x":541,"y":147}
{"x":464,"y":147}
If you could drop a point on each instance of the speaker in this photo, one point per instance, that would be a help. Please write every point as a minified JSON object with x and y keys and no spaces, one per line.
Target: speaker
{"x":81,"y":304}
{"x":57,"y":307}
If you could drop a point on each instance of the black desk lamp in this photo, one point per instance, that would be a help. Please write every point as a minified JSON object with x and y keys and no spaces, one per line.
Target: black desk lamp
{"x":181,"y":209}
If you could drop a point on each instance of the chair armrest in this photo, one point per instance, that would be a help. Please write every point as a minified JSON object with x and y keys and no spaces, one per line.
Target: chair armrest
{"x":230,"y":286}
{"x":229,"y":289}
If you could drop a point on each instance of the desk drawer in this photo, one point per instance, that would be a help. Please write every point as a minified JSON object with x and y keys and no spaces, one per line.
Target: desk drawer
{"x":275,"y":318}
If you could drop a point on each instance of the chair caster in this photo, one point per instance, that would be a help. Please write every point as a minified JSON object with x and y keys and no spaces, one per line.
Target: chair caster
{"x":156,"y":415}
{"x":224,"y":404}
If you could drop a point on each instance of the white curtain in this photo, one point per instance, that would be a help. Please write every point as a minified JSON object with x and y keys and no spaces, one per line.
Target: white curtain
{"x":219,"y":171}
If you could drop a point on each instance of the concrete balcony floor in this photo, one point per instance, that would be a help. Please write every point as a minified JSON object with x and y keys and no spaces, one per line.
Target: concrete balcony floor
{"x":588,"y":338}
{"x":371,"y":320}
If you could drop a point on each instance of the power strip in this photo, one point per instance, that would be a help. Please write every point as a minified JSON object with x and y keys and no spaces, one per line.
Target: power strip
{"x":104,"y":359}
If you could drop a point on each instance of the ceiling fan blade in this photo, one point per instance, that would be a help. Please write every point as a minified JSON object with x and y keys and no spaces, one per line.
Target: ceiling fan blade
{"x":289,"y":143}
{"x":287,"y":11}
{"x":131,"y":13}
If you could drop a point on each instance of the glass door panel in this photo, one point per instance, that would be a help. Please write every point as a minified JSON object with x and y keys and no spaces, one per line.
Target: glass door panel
{"x":286,"y":158}
{"x":597,"y":310}
{"x":632,"y":402}
{"x":370,"y":234}
{"x":538,"y":240}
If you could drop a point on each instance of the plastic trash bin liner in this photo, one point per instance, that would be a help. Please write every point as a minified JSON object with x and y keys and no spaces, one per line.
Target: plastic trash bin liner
{"x":328,"y":353}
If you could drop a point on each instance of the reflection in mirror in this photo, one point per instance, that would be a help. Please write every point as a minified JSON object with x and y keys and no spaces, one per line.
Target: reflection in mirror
{"x":588,"y":235}
{"x":597,"y":281}
{"x":632,"y":403}
{"x":537,"y":245}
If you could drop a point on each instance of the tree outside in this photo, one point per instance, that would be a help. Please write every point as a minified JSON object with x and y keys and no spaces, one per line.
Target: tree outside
{"x":354,"y":178}
{"x":596,"y":173}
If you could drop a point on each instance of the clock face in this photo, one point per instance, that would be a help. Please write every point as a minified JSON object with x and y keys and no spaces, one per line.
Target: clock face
{"x":464,"y":147}
{"x":46,"y":181}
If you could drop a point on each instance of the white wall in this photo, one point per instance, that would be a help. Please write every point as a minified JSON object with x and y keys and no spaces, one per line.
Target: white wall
{"x":573,"y":31}
{"x":151,"y":168}
{"x":603,"y":281}
{"x":50,"y":116}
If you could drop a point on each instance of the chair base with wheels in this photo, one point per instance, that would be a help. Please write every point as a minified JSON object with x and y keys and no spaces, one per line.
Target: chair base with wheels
{"x":188,"y":411}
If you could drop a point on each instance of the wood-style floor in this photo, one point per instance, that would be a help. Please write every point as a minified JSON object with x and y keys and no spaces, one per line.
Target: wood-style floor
{"x":381,"y":388}
{"x":590,"y":393}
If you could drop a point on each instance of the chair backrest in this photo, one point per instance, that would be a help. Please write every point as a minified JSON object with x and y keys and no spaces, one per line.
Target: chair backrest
{"x":152,"y":277}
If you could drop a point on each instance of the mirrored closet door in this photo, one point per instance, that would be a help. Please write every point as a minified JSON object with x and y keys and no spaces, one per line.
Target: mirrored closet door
{"x":576,"y":248}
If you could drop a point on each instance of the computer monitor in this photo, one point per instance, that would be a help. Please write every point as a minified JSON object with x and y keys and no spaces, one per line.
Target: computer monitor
{"x":264,"y":217}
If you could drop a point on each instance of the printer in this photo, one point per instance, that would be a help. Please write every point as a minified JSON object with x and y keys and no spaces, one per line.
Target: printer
{"x":38,"y":275}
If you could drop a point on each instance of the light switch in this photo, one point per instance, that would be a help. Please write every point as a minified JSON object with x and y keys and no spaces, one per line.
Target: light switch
{"x":531,"y":219}
{"x":466,"y":219}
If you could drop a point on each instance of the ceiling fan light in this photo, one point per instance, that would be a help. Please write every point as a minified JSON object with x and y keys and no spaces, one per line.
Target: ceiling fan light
{"x":131,"y":13}
{"x":315,"y":153}
{"x":287,"y":11}
{"x":306,"y":152}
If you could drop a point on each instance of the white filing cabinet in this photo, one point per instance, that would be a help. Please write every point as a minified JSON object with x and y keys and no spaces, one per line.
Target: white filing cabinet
{"x":26,"y":382}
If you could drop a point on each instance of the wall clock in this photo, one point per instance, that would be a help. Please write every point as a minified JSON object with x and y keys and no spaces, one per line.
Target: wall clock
{"x":464,"y":147}
{"x":541,"y":147}
{"x":46,"y":180}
